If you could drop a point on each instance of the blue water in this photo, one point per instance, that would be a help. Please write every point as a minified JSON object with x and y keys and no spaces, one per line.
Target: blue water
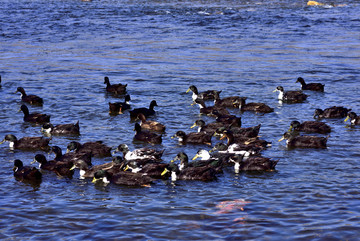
{"x":61,"y":50}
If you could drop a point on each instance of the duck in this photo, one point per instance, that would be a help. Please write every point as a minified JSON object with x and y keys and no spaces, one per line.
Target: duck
{"x":209,"y":110}
{"x":119,"y":107}
{"x":145,"y":111}
{"x":310,"y":127}
{"x":201,"y":173}
{"x":293,"y":140}
{"x":206,"y":95}
{"x":27,"y":143}
{"x":142,"y":153}
{"x":150,"y":124}
{"x":354,"y":119}
{"x":235,"y":149}
{"x":96,"y":148}
{"x":214,"y":160}
{"x":310,"y":86}
{"x":88,"y":172}
{"x":31,"y":99}
{"x":193,"y":138}
{"x":36,"y":118}
{"x":207,"y":128}
{"x":295,"y":96}
{"x":60,"y":168}
{"x":26,"y":173}
{"x":253,"y":163}
{"x":62,"y":129}
{"x":332,"y":112}
{"x":256,"y":107}
{"x":241,"y":132}
{"x":229,"y":120}
{"x":146,"y":136}
{"x":118,"y":89}
{"x":123,"y":178}
{"x":227,"y":102}
{"x":71,"y":157}
{"x":151,"y":169}
{"x":246,"y":142}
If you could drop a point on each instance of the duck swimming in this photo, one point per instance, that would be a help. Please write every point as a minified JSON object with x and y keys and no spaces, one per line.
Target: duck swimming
{"x":201,"y":173}
{"x":71,"y":157}
{"x":146,"y":136}
{"x":31,"y":99}
{"x":36,"y":118}
{"x":310,"y":127}
{"x":123,"y":178}
{"x":145,"y":111}
{"x":354,"y":119}
{"x":253,"y":163}
{"x":193,"y":138}
{"x":310,"y":86}
{"x":227,"y":102}
{"x":209,"y":110}
{"x":96,"y":148}
{"x":293,"y":140}
{"x":119,"y":107}
{"x":149,"y":124}
{"x":142,"y":153}
{"x":88,"y":172}
{"x":26,"y":173}
{"x":118,"y":89}
{"x":206,"y":95}
{"x":256,"y":107}
{"x":62,"y":129}
{"x":295,"y":96}
{"x":27,"y":143}
{"x":60,"y":168}
{"x":332,"y":112}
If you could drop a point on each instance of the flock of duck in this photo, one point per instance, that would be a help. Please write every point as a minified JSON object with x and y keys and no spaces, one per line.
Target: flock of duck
{"x":241,"y":148}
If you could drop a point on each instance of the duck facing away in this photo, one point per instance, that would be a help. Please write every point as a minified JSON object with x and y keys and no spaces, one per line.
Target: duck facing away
{"x":294,"y":96}
{"x":310,"y":127}
{"x":123,"y":178}
{"x":293,"y":141}
{"x":62,"y":129}
{"x":201,"y":173}
{"x":146,"y":136}
{"x":209,"y":110}
{"x":253,"y":163}
{"x":26,"y":173}
{"x":31,"y":99}
{"x":118,"y":89}
{"x":252,"y":106}
{"x":227,"y":102}
{"x":96,"y":148}
{"x":145,"y":111}
{"x":36,"y":118}
{"x":149,"y":124}
{"x":27,"y":143}
{"x":310,"y":86}
{"x":354,"y":119}
{"x":332,"y":112}
{"x":206,"y":95}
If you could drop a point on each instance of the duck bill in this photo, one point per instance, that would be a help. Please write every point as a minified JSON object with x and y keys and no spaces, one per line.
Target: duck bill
{"x":193,"y":126}
{"x":126,"y":168}
{"x":281,"y":139}
{"x":2,"y":141}
{"x":347,"y":118}
{"x":222,"y":137}
{"x":195,"y":157}
{"x":164,"y":172}
{"x":94,"y":180}
{"x":188,"y":90}
{"x":72,"y":168}
{"x":34,"y":161}
{"x":274,"y":90}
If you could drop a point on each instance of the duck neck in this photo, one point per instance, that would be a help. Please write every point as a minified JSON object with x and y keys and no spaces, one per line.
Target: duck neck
{"x":173,"y":176}
{"x":237,"y":167}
